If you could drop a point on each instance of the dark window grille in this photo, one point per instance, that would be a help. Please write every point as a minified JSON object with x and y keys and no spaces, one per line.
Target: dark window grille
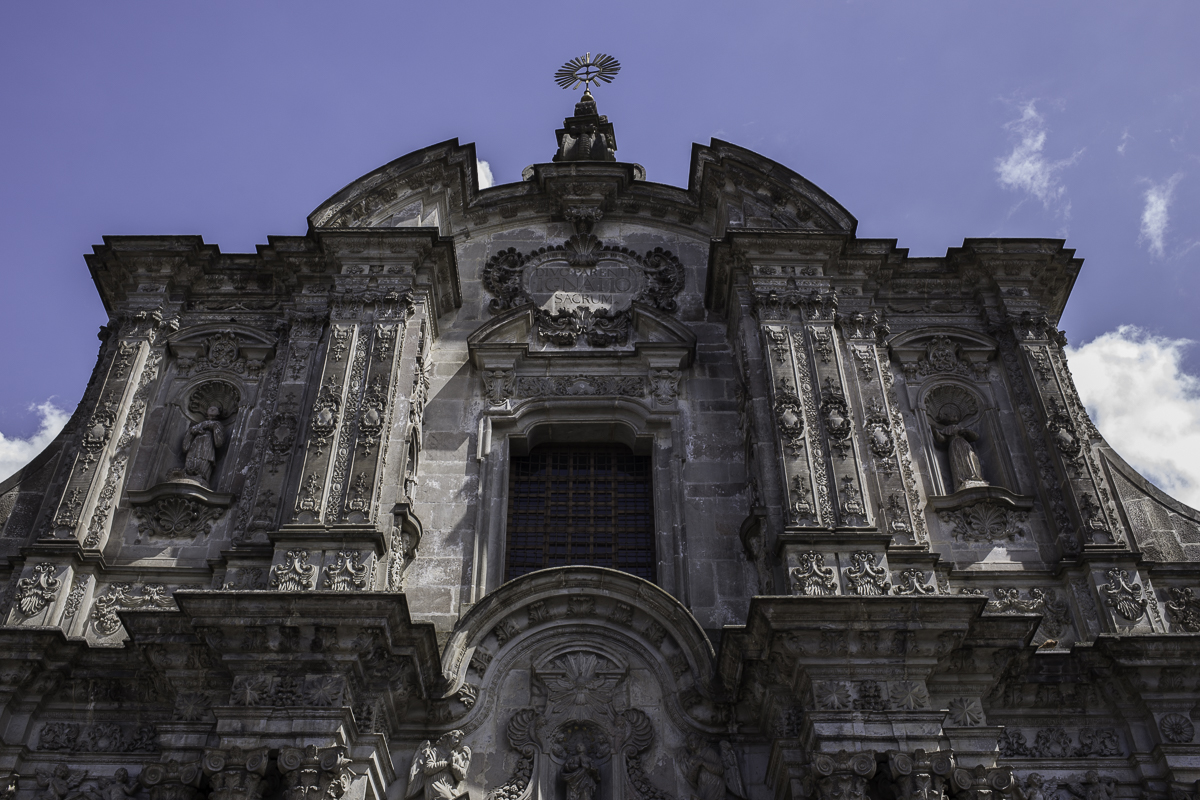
{"x":580,"y":505}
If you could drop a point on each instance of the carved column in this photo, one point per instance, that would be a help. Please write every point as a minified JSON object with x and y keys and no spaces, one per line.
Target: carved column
{"x":172,"y":780}
{"x":313,"y":773}
{"x":236,"y":774}
{"x":842,"y":775}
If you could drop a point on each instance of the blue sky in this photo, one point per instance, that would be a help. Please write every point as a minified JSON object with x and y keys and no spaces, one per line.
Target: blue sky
{"x":929,"y":121}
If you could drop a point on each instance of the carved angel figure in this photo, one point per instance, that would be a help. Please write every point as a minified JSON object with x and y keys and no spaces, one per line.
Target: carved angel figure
{"x":1093,"y":787}
{"x":711,"y":773}
{"x":58,"y":783}
{"x":200,"y":445}
{"x":965,"y":468}
{"x":440,"y":770}
{"x":119,"y":787}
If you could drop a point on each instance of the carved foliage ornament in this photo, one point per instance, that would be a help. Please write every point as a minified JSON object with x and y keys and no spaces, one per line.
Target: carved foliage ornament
{"x":1185,"y":607}
{"x":1124,"y":596}
{"x":812,"y":578}
{"x":175,"y":517}
{"x":38,"y":590}
{"x":583,"y":287}
{"x":295,"y":574}
{"x":985,"y":522}
{"x":865,"y":576}
{"x":789,"y":416}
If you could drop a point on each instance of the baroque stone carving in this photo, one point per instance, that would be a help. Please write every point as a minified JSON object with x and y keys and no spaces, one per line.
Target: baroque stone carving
{"x":879,"y":431}
{"x":836,"y":415}
{"x":1185,"y":607}
{"x":1123,"y":595}
{"x":581,"y":386}
{"x":99,"y":737}
{"x":865,"y":576}
{"x":236,"y":774}
{"x":812,"y":578}
{"x":711,"y":770}
{"x":38,"y":590}
{"x":59,"y":782}
{"x":346,"y":574}
{"x":172,"y":780}
{"x":583,"y":288}
{"x":985,"y":522}
{"x":174,"y":516}
{"x":921,"y":776}
{"x":439,"y":772}
{"x":912,"y":582}
{"x":950,"y":410}
{"x":789,"y":416}
{"x":295,"y":574}
{"x":842,"y":776}
{"x":499,"y":385}
{"x":664,"y":385}
{"x":314,"y":773}
{"x":325,"y":414}
{"x":119,"y":596}
{"x":1176,"y":728}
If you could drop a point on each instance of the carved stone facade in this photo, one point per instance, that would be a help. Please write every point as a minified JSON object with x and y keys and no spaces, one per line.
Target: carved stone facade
{"x":892,"y":557}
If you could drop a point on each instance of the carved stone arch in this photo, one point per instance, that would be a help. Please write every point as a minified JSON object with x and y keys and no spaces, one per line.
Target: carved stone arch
{"x":539,"y":618}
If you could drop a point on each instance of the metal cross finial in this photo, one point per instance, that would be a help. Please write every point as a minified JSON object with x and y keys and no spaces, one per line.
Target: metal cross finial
{"x":586,"y":70}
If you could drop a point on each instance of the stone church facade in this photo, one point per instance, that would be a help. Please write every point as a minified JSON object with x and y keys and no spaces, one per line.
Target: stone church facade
{"x":592,"y":488}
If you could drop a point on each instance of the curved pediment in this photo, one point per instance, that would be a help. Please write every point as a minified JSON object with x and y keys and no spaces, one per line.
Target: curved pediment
{"x":760,"y":193}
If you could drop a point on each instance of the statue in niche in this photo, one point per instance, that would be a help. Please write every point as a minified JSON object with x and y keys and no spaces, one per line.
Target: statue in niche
{"x":200,"y":445}
{"x":440,"y":770}
{"x":581,"y":774}
{"x":950,"y":409}
{"x":712,"y":774}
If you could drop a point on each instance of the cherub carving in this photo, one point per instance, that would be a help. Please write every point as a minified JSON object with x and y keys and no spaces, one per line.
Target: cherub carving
{"x":1093,"y":787}
{"x":200,"y":445}
{"x":119,"y":787}
{"x":440,"y":770}
{"x":712,"y":774}
{"x":58,"y":783}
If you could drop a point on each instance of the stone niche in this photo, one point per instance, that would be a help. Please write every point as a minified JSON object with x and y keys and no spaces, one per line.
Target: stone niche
{"x":586,"y":683}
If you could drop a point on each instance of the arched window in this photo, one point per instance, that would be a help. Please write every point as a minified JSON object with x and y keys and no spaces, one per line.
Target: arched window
{"x":580,"y":504}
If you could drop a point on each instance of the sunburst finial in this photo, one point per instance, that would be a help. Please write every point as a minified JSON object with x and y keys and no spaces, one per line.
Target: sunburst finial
{"x":587,"y":70}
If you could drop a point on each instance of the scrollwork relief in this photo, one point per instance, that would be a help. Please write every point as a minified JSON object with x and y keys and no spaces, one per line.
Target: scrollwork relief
{"x":295,"y":574}
{"x":812,"y":578}
{"x":38,"y":590}
{"x":865,"y":576}
{"x":1123,"y":595}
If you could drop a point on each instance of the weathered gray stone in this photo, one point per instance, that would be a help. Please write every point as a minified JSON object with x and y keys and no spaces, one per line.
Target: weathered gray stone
{"x":893,"y":556}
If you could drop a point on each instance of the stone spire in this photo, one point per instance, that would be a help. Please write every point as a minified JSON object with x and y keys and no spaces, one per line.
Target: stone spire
{"x":587,"y":135}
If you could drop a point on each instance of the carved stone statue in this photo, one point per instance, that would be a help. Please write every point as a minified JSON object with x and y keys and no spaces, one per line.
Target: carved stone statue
{"x":59,"y":783}
{"x":119,"y":787}
{"x":965,"y":469}
{"x":711,"y":773}
{"x":440,"y":770}
{"x":200,"y":445}
{"x":581,"y":774}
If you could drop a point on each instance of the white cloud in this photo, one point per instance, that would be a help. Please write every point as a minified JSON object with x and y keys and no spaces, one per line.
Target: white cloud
{"x":1145,"y":405}
{"x":1156,"y":213}
{"x":484,"y":169}
{"x":16,"y":453}
{"x":1125,"y":137}
{"x":1026,"y":168}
